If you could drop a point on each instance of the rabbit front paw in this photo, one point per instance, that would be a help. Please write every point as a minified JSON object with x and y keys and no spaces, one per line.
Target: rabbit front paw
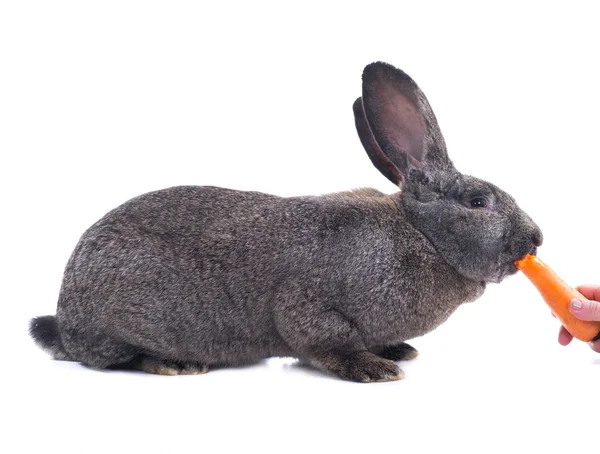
{"x":364,"y":367}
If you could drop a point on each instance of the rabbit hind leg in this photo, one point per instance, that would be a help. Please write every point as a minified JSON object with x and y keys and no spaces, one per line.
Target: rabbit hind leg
{"x":96,"y":349}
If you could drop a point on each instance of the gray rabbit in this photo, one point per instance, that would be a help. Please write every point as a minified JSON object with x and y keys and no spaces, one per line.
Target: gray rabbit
{"x":189,"y":278}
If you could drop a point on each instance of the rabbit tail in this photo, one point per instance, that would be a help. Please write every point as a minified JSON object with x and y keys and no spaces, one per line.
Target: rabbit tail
{"x":44,"y":331}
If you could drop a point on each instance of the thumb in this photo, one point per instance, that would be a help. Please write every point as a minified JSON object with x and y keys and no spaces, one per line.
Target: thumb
{"x":585,"y":309}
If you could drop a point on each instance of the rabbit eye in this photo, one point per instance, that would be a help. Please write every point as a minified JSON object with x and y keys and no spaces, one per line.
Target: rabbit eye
{"x":479,"y":202}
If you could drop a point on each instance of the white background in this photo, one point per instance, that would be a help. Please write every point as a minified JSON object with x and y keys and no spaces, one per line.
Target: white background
{"x":102,"y":101}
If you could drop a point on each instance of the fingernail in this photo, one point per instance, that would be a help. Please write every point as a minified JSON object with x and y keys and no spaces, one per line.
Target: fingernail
{"x":576,"y":305}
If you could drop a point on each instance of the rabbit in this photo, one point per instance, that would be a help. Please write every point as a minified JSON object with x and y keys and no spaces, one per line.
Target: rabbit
{"x":192,"y":278}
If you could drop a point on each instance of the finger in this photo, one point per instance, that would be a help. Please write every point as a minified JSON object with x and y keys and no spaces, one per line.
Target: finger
{"x":591,"y":292}
{"x":585,"y":310}
{"x":595,"y":345}
{"x":564,"y":337}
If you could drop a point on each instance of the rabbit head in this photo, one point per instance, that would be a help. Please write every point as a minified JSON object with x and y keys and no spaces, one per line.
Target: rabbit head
{"x":475,"y":226}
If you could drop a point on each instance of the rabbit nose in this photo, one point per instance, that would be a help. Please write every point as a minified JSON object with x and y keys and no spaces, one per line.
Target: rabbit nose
{"x":537,"y":239}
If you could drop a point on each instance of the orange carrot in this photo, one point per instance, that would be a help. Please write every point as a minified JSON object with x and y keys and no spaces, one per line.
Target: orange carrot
{"x":557,"y":294}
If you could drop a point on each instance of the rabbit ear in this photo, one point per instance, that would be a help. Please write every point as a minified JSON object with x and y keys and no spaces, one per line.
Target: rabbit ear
{"x":398,"y":127}
{"x":379,"y":160}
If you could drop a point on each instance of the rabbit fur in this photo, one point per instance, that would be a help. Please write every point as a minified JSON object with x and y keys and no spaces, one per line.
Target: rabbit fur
{"x":189,"y":278}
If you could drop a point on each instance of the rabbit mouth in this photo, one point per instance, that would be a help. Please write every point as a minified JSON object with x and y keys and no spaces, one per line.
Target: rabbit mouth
{"x":531,"y":251}
{"x":512,"y":268}
{"x":502,"y":272}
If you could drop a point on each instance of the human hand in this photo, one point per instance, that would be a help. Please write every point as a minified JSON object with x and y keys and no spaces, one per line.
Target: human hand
{"x":587,"y":310}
